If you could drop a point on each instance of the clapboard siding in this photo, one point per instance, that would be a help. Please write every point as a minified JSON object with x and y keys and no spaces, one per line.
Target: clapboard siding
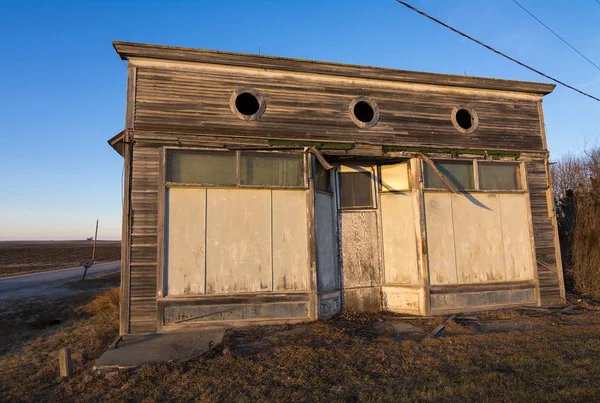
{"x":198,"y":102}
{"x":543,"y":230}
{"x":144,"y":239}
{"x":127,"y":50}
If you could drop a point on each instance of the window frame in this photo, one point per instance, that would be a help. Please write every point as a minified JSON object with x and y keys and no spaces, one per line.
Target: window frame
{"x":521,"y":179}
{"x":357,"y":168}
{"x":237,"y":153}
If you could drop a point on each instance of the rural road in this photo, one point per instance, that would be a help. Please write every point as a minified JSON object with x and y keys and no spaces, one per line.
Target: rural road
{"x":37,"y":283}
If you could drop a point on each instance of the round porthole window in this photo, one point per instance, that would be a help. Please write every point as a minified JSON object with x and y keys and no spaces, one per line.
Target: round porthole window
{"x":247,"y":103}
{"x":465,"y":119}
{"x":364,"y":112}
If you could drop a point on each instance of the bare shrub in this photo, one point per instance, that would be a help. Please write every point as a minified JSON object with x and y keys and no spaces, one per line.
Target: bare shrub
{"x":577,"y":190}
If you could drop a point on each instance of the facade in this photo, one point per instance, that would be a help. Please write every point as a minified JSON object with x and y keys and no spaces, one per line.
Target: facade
{"x":268,"y":190}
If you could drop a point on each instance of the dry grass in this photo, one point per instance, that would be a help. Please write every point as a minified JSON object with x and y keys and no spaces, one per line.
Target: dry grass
{"x":340,"y":360}
{"x":28,"y":257}
{"x":577,"y":184}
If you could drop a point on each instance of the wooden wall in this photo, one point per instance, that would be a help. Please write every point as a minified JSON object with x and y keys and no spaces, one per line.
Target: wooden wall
{"x":144,"y":239}
{"x":177,"y":103}
{"x":542,"y":211}
{"x":197,"y":101}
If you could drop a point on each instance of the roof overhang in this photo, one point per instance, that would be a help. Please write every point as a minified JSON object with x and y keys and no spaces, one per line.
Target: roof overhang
{"x":117,"y":142}
{"x":128,"y":50}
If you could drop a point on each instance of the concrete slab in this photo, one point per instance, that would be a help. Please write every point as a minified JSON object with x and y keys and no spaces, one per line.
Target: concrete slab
{"x":137,"y":350}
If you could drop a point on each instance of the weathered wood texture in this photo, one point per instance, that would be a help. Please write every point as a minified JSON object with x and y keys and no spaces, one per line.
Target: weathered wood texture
{"x":144,"y":239}
{"x":197,"y":103}
{"x":127,"y":50}
{"x":361,"y":256}
{"x":543,"y":230}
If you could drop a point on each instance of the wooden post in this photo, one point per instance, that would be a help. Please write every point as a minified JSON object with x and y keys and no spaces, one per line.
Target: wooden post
{"x":91,"y":262}
{"x":65,"y":363}
{"x":95,"y":238}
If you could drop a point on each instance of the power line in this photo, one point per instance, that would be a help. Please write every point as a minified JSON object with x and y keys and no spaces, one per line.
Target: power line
{"x":557,"y":35}
{"x":496,"y":51}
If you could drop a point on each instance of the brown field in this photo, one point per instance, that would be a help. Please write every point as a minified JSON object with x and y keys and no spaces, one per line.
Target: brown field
{"x":20,"y":257}
{"x":502,"y":356}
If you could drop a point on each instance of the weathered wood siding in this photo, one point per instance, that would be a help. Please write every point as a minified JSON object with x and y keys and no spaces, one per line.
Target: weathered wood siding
{"x":544,"y":232}
{"x":180,"y":100}
{"x":144,"y":239}
{"x":361,"y":257}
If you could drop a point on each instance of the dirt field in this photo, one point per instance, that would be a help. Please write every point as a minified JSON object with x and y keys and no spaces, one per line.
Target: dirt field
{"x":20,"y":257}
{"x":499,"y":356}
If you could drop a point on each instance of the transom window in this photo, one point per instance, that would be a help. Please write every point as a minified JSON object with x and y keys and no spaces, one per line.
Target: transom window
{"x":491,"y":175}
{"x":235,"y":169}
{"x":356,"y":189}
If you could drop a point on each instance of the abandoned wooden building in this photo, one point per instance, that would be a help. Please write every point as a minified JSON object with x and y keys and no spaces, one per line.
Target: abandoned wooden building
{"x":267,"y":190}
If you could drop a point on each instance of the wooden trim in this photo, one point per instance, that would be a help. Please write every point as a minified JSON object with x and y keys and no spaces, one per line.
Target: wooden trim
{"x":234,"y":299}
{"x":126,"y":240}
{"x":474,"y":117}
{"x":421,"y":235}
{"x":482,"y":287}
{"x":374,"y":107}
{"x":124,"y":325}
{"x":161,"y":238}
{"x":262,"y":105}
{"x":313,"y":305}
{"x":131,"y":98}
{"x":127,"y":50}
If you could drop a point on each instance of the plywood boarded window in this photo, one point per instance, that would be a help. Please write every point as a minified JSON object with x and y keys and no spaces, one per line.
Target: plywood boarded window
{"x":394,"y":177}
{"x":195,"y":167}
{"x":498,"y":176}
{"x":459,"y":173}
{"x":264,"y":169}
{"x":356,"y":190}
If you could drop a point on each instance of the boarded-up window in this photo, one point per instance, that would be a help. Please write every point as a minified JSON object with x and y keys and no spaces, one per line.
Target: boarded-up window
{"x":356,"y":190}
{"x":394,"y":177}
{"x":498,"y":176}
{"x":322,"y":178}
{"x":271,"y":169}
{"x":459,"y":173}
{"x":201,"y":168}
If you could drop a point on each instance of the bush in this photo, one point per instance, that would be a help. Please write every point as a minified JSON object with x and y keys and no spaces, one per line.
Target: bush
{"x":577,"y":196}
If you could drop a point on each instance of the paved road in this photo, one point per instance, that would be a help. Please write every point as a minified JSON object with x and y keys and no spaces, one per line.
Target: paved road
{"x":34,"y":283}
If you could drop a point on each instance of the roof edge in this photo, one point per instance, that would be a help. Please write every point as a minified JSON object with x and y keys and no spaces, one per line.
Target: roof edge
{"x":130,"y":49}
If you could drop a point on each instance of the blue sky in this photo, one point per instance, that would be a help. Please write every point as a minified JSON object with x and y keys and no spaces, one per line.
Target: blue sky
{"x":63,"y":87}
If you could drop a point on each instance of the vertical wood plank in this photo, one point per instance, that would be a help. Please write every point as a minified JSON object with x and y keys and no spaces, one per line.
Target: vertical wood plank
{"x":290,"y":240}
{"x":186,"y":241}
{"x":441,"y":255}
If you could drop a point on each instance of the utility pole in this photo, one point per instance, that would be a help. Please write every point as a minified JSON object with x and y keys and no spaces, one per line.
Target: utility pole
{"x":88,"y":263}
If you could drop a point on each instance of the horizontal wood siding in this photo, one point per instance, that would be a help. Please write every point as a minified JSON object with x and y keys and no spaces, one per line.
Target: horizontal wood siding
{"x":198,"y":103}
{"x":127,"y":50}
{"x":543,"y":232}
{"x":144,"y":239}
